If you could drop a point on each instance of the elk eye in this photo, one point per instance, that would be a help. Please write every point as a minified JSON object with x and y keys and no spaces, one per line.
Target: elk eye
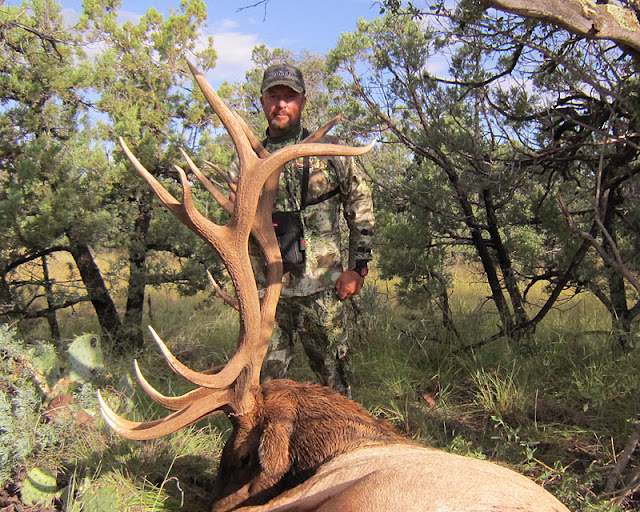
{"x":244,"y":461}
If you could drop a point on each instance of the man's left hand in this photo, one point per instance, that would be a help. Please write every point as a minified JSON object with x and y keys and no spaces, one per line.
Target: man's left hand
{"x":349,"y":284}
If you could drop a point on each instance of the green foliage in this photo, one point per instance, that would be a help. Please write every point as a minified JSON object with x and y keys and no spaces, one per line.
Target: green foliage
{"x":40,"y":450}
{"x":101,"y":499}
{"x":64,"y":184}
{"x":481,"y":176}
{"x":29,"y":380}
{"x":39,"y":487}
{"x":525,"y":412}
{"x":530,"y":413}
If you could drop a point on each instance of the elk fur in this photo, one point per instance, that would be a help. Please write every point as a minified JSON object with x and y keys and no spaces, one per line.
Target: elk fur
{"x":305,"y":447}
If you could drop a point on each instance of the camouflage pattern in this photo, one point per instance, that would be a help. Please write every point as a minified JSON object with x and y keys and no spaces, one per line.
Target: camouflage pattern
{"x":308,"y":303}
{"x":324,"y":254}
{"x":318,"y":322}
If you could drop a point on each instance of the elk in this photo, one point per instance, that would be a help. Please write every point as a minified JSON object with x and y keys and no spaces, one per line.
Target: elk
{"x":299,"y":446}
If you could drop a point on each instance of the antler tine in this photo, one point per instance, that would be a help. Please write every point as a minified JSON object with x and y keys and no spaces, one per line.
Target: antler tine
{"x":253,"y":140}
{"x":221,"y":172}
{"x":186,"y":212}
{"x":322,"y":131}
{"x":198,"y":378}
{"x":220,"y":198}
{"x":173,"y":403}
{"x":169,"y":201}
{"x":227,"y":117}
{"x":286,"y":154}
{"x":221,"y":293}
{"x":141,"y":431}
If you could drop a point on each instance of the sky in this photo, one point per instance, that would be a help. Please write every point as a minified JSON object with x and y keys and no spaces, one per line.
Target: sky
{"x":292,"y":25}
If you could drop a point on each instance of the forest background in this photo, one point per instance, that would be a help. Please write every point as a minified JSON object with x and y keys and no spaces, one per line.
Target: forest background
{"x":501,"y":317}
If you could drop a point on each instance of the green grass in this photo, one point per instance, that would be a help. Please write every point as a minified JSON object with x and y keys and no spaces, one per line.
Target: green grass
{"x":560,"y":414}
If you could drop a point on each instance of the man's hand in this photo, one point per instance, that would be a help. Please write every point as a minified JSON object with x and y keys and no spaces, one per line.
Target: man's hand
{"x":349,"y":284}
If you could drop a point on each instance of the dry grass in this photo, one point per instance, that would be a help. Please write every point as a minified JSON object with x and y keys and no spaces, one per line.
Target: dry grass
{"x":559,"y":414}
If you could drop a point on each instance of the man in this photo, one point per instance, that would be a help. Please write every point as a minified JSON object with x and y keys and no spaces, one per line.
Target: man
{"x":314,"y":190}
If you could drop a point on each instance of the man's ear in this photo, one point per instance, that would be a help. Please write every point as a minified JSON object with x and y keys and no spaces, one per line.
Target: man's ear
{"x":303,"y":103}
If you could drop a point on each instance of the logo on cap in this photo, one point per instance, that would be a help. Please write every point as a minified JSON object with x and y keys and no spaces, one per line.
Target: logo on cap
{"x":283,"y":74}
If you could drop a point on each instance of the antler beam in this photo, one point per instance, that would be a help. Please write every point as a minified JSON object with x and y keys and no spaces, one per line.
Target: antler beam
{"x":250,"y":214}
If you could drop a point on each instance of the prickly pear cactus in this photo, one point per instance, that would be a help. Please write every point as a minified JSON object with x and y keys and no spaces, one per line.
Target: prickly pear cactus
{"x":39,"y":487}
{"x":102,"y":499}
{"x":85,"y":358}
{"x":46,"y":362}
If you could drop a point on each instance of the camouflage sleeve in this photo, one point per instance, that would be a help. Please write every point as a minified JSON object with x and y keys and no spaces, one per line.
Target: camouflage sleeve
{"x":358,"y":210}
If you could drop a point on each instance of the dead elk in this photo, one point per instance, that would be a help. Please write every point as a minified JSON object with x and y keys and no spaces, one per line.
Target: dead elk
{"x":300,"y":447}
{"x":295,"y":429}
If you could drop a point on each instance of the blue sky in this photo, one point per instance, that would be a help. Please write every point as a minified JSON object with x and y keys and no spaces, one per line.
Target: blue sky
{"x":293,"y":25}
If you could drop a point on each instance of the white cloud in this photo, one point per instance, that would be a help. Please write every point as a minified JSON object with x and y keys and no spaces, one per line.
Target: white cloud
{"x":234,"y":53}
{"x":124,"y":16}
{"x":233,"y":47}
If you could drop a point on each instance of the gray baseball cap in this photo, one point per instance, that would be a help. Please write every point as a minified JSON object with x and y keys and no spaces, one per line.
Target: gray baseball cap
{"x":283,"y":74}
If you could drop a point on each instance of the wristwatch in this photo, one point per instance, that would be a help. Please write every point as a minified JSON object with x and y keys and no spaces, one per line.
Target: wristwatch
{"x":361,"y":268}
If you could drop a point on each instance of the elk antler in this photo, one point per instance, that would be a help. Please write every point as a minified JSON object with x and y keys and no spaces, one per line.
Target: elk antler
{"x":250,"y":213}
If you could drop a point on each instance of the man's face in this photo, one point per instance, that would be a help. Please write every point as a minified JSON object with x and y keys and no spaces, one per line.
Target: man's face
{"x":282,"y":107}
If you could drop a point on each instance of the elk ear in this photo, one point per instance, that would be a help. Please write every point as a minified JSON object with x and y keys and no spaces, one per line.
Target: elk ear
{"x":274,"y":448}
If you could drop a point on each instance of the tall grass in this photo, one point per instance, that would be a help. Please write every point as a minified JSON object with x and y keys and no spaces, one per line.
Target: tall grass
{"x":559,"y":414}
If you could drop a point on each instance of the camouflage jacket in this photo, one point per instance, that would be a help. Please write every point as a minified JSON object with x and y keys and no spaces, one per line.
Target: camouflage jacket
{"x":331,"y":243}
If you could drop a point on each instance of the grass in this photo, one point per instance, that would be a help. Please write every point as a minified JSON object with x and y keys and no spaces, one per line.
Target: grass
{"x":560,"y":415}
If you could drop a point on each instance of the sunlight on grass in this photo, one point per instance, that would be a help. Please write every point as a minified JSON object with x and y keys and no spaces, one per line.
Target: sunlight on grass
{"x":559,"y":414}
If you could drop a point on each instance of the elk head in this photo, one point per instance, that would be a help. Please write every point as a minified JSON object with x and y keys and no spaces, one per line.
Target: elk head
{"x":235,"y":388}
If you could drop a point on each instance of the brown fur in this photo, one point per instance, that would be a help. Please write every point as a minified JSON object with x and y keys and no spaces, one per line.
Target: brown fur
{"x":402,"y":477}
{"x":293,"y":430}
{"x":306,"y":448}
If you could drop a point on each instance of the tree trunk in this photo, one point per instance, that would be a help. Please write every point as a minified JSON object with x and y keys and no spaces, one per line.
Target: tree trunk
{"x":442,"y":301}
{"x":620,"y":314}
{"x":96,"y":289}
{"x":521,"y":336}
{"x":481,"y":247}
{"x":54,"y":328}
{"x":137,"y":271}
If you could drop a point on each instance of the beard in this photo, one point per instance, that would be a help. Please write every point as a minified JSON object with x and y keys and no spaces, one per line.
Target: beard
{"x":282,"y":126}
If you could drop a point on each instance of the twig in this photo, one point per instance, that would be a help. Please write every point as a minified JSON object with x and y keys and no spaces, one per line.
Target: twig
{"x":623,"y":461}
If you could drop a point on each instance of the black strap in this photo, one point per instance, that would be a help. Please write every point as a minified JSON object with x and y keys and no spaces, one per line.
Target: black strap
{"x":325,"y":196}
{"x":304,"y":184}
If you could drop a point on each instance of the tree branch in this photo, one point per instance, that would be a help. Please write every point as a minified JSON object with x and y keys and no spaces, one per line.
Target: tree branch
{"x":582,"y":17}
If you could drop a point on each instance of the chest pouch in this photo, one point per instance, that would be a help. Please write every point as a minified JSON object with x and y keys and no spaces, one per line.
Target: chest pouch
{"x":288,"y":225}
{"x":290,"y":235}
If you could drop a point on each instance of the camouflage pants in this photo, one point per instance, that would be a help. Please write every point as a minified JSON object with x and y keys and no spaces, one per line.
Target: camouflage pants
{"x":318,"y":321}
